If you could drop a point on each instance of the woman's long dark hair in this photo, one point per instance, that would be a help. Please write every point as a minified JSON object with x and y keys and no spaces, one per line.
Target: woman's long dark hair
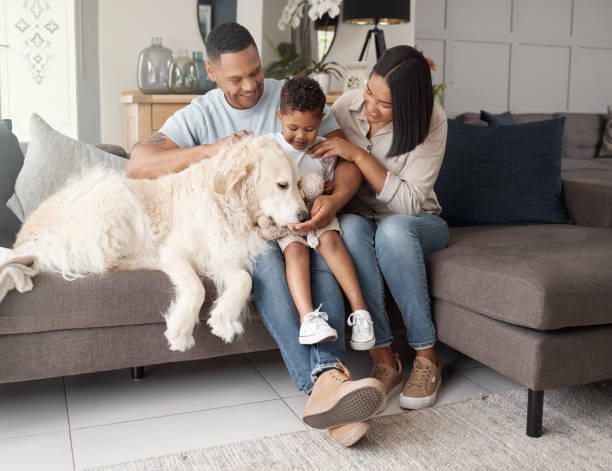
{"x":409,"y":78}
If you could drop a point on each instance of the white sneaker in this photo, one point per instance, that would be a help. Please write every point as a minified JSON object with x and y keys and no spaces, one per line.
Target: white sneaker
{"x":315,"y":329}
{"x":362,"y":337}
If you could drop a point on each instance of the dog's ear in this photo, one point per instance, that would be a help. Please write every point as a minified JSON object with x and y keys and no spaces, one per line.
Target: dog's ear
{"x":235,"y":174}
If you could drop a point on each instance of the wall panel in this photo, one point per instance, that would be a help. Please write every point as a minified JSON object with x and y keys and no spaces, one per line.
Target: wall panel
{"x":520,"y":55}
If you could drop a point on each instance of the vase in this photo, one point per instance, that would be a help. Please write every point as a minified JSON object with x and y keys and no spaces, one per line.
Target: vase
{"x":153,"y":67}
{"x":356,"y":75}
{"x":323,"y":79}
{"x":183,"y":74}
{"x":205,"y":84}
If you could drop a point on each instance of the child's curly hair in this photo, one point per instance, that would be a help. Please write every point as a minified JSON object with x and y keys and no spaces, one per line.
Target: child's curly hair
{"x":302,"y":94}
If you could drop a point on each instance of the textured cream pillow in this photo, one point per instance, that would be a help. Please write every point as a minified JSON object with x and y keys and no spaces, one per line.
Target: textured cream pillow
{"x":606,"y":144}
{"x":51,"y":159}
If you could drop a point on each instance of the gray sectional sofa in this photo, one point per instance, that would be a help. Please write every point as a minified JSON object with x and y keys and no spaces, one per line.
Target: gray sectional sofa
{"x":533,"y":302}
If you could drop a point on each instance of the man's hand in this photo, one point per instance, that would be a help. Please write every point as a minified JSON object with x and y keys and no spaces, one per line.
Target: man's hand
{"x":214,"y":148}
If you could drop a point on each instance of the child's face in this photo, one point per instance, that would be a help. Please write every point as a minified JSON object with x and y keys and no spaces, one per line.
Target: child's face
{"x":300,"y":127}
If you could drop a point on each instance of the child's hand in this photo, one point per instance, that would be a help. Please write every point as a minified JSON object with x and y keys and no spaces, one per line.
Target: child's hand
{"x":328,"y":186}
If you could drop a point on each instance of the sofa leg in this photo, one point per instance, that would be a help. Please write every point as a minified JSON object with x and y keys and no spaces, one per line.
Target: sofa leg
{"x":137,"y":372}
{"x":535,"y":410}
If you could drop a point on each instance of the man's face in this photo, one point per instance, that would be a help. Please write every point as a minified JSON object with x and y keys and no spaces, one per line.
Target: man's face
{"x":240,"y":76}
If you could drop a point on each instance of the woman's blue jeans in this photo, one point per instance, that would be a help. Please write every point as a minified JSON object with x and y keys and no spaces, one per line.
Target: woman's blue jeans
{"x":394,"y":252}
{"x":277,"y":310}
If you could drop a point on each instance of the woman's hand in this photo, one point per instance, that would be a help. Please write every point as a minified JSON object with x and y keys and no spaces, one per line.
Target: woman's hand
{"x":323,"y":210}
{"x":336,"y":146}
{"x":328,"y":186}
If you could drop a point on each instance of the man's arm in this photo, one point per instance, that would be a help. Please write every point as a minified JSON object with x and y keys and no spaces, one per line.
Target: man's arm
{"x":158,"y":155}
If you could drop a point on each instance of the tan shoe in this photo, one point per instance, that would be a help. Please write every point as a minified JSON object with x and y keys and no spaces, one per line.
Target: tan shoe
{"x":422,"y":386}
{"x":337,"y":400}
{"x":390,"y":377}
{"x":349,"y":434}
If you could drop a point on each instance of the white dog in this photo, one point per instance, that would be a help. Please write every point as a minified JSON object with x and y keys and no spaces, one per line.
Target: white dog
{"x":198,"y":221}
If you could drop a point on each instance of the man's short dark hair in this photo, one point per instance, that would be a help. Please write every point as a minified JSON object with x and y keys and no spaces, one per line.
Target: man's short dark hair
{"x":227,"y":38}
{"x":302,"y":94}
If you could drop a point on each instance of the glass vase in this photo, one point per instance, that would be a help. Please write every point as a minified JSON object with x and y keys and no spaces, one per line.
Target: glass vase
{"x":183,"y":74}
{"x":153,"y":67}
{"x":205,"y":84}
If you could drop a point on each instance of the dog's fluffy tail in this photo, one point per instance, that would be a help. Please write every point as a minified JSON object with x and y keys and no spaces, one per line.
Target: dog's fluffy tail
{"x":16,"y":271}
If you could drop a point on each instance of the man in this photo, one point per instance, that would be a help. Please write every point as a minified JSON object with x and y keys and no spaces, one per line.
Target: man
{"x":244,"y":103}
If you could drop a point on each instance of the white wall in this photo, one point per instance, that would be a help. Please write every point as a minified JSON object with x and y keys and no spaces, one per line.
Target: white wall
{"x":261,"y":17}
{"x":519,"y":55}
{"x":87,"y":71}
{"x":125,"y":28}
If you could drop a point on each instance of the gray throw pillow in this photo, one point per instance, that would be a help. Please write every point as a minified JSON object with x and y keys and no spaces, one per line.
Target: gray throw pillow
{"x":606,"y":144}
{"x":51,"y":159}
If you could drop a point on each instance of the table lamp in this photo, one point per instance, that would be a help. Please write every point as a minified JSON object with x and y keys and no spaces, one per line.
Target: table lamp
{"x":375,"y":12}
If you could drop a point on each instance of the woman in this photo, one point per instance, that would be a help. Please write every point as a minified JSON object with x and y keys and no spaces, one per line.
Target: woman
{"x":396,"y":136}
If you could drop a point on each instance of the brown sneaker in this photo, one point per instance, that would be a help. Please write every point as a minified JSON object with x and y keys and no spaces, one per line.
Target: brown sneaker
{"x":390,"y":377}
{"x":422,"y":387}
{"x":349,"y":434}
{"x":337,"y":400}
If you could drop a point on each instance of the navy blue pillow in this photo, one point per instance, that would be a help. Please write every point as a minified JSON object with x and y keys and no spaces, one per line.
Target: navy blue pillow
{"x":503,"y":119}
{"x":11,"y":161}
{"x":502,"y":175}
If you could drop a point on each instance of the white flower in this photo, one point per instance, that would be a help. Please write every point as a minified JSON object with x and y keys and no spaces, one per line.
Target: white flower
{"x":296,"y":21}
{"x":294,"y":11}
{"x":315,"y":12}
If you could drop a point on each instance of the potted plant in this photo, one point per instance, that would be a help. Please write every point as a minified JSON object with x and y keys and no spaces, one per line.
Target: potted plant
{"x":289,"y":64}
{"x":323,"y":71}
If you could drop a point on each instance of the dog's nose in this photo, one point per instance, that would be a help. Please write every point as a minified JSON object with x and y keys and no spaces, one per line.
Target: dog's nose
{"x":303,"y":216}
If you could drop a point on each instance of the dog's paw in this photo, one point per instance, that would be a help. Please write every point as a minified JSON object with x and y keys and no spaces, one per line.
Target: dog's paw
{"x":179,"y":340}
{"x":225,"y":329}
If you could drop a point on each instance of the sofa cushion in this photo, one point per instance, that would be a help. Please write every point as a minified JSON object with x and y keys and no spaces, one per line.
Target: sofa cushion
{"x":595,"y":169}
{"x":541,"y":276}
{"x":114,"y":299}
{"x":502,"y":174}
{"x":606,"y":142}
{"x":11,"y":161}
{"x":583,"y":133}
{"x":503,"y":119}
{"x":51,"y":159}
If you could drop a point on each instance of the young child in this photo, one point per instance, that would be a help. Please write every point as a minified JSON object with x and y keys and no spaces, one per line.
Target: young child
{"x":300,"y":114}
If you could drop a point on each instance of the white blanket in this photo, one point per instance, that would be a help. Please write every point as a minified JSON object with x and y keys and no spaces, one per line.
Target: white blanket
{"x":16,"y":271}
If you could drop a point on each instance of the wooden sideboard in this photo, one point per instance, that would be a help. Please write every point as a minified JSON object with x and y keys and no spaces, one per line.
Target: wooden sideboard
{"x":145,"y":114}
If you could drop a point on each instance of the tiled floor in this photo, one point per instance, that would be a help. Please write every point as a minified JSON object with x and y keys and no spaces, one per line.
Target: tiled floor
{"x":103,"y":418}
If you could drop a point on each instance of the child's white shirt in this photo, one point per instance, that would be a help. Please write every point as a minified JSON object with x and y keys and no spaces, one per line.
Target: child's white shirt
{"x":305,"y":162}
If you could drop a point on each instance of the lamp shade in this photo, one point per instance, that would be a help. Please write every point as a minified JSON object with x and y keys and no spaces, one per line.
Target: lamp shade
{"x":369,"y":12}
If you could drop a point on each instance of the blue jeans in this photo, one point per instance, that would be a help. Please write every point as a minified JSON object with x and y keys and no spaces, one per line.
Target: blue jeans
{"x":276,"y":308}
{"x":394,"y":251}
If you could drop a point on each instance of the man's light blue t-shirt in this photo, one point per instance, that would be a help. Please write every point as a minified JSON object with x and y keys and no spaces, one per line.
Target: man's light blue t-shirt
{"x":209,"y":118}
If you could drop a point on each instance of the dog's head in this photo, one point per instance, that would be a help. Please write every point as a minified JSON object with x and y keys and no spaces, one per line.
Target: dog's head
{"x":265,"y":175}
{"x":277,"y":189}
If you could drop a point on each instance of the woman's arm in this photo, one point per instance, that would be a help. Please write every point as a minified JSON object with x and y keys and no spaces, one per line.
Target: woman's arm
{"x":346,"y":182}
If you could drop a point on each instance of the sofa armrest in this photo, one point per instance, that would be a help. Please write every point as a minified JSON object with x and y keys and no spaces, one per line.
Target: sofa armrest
{"x":588,"y":201}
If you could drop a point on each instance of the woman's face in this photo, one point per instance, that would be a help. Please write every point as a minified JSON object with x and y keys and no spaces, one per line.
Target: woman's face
{"x":377,"y":96}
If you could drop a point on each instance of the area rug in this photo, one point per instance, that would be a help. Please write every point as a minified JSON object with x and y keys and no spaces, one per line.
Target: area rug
{"x":482,"y":433}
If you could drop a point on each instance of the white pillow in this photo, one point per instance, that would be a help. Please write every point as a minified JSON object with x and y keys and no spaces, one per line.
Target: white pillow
{"x":51,"y":159}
